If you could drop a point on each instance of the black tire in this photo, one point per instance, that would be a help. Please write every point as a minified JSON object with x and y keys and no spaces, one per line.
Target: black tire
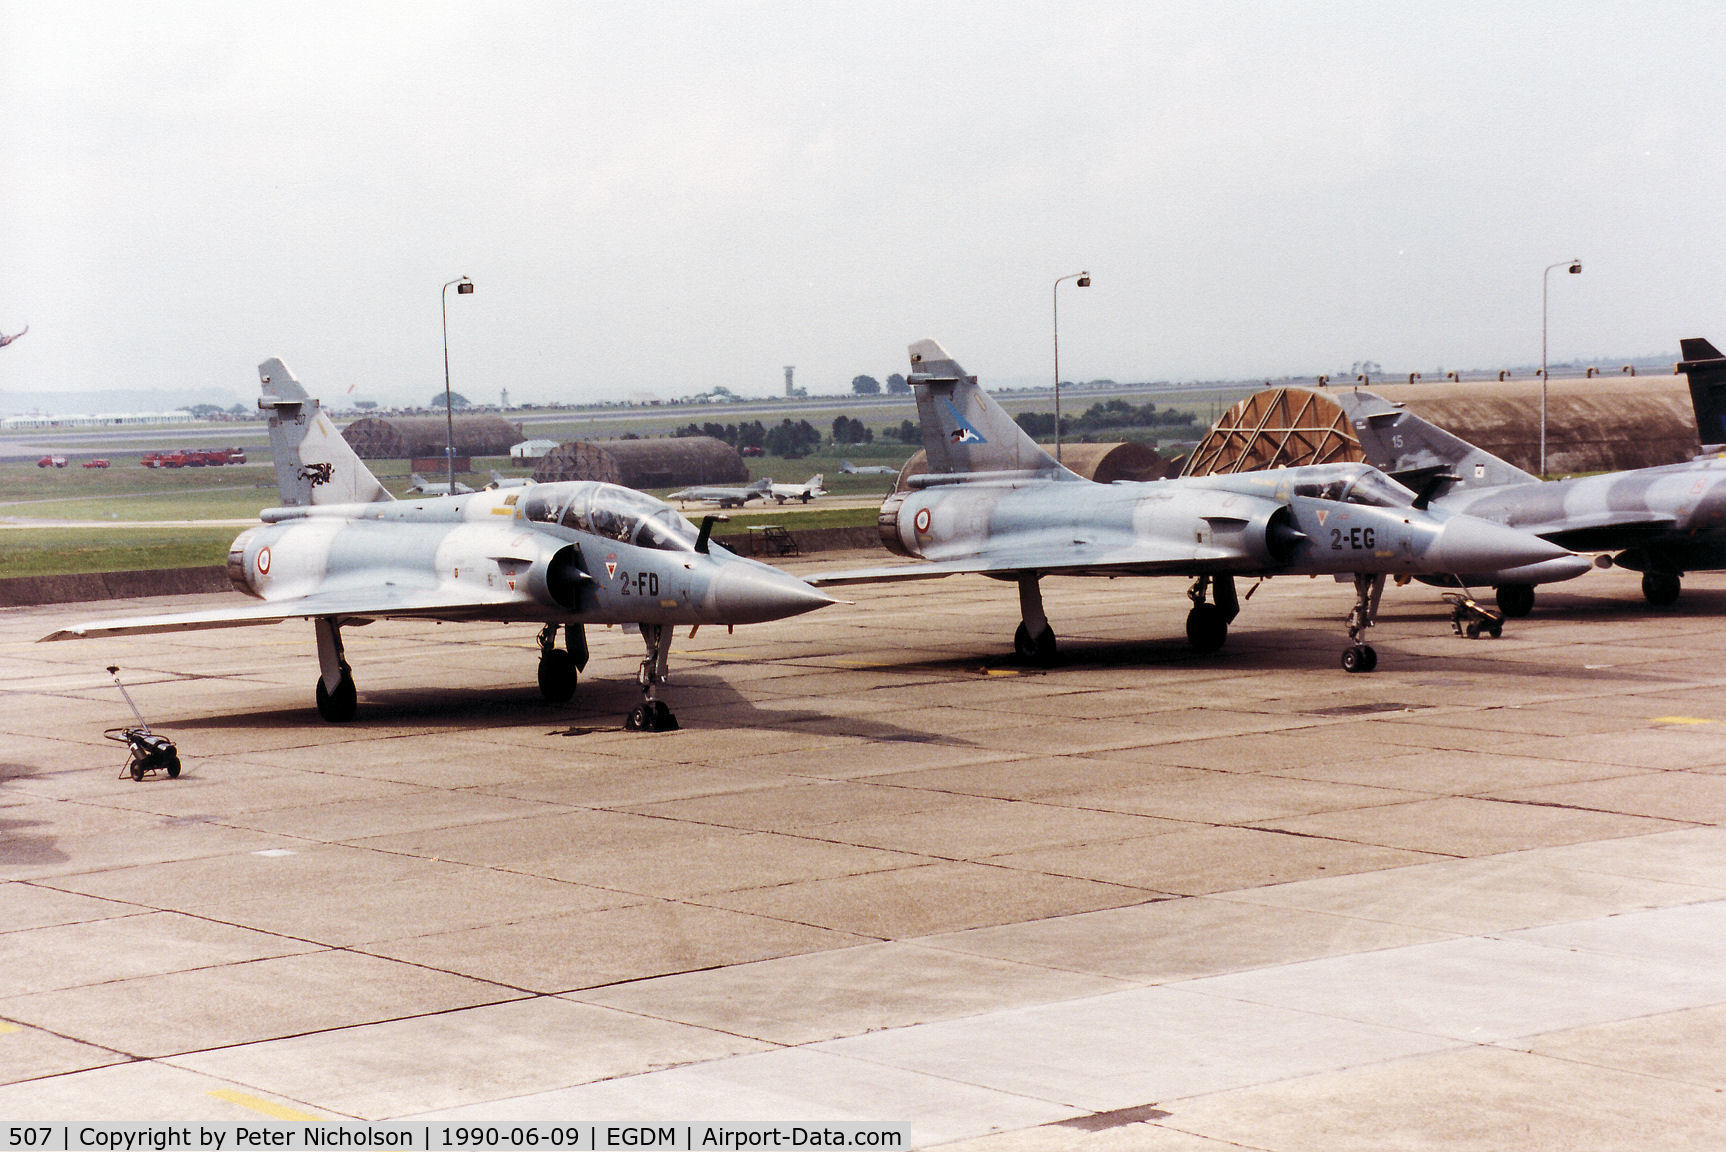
{"x":1472,"y":630}
{"x":338,"y":707}
{"x":663,"y":720}
{"x":557,"y":676}
{"x":1207,"y":628}
{"x":1495,"y":630}
{"x":1661,"y":588}
{"x":640,"y":719}
{"x":1515,"y":600}
{"x":1359,"y":658}
{"x":1039,"y":651}
{"x":173,"y":765}
{"x":137,"y":769}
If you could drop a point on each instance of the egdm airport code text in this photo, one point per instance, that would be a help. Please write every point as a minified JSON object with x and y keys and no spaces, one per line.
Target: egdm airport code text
{"x":456,"y":1137}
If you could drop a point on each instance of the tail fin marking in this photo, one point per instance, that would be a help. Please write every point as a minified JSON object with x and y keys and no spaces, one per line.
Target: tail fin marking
{"x":964,"y":430}
{"x":314,"y":465}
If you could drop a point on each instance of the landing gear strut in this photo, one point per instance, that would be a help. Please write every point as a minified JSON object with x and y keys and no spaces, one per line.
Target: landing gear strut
{"x":1034,"y":642}
{"x":652,"y":715}
{"x":1208,"y":624}
{"x":1359,"y":655}
{"x":559,"y":668}
{"x":337,"y":700}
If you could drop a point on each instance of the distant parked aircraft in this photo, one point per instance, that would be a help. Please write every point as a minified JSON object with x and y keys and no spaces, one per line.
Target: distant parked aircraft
{"x":851,"y":469}
{"x":806,"y":491}
{"x":727,"y":497}
{"x":437,"y":487}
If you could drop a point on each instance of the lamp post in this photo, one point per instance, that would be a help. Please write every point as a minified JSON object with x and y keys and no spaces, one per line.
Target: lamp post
{"x":1545,"y":280}
{"x":1084,"y":279}
{"x":463,"y":287}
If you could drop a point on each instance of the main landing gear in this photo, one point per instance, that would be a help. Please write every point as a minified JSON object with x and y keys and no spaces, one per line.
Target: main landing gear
{"x":1661,"y":587}
{"x":559,"y":668}
{"x":652,"y":715}
{"x":1208,"y":623}
{"x":1359,"y":655}
{"x":1515,"y":600}
{"x":337,"y":700}
{"x":1034,"y":642}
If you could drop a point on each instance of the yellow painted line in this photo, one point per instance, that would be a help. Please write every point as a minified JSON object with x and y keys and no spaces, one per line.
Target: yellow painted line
{"x":1002,"y":671}
{"x":259,"y":1104}
{"x":1678,"y":720}
{"x":5,"y":1028}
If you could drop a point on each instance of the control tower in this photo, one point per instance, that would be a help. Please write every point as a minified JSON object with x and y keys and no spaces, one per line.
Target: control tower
{"x":789,"y":369}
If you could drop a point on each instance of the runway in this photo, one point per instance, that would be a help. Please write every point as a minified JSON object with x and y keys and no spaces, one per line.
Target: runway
{"x":1142,"y":900}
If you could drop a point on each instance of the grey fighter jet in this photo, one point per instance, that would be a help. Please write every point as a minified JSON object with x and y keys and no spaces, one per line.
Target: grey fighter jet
{"x":806,"y":491}
{"x":1661,"y":522}
{"x":994,"y":503}
{"x":851,"y":469}
{"x":727,"y":497}
{"x":340,"y":550}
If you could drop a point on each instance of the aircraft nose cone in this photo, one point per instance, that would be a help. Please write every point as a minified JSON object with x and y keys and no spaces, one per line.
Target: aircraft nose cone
{"x":749,"y":594}
{"x":1469,"y":544}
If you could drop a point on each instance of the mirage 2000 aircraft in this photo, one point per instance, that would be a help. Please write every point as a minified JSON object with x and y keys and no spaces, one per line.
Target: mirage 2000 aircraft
{"x":1662,"y":521}
{"x":341,"y":550}
{"x":994,"y":503}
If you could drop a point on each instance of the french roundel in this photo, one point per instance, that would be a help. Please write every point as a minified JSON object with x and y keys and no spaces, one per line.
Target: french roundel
{"x":263,"y":561}
{"x":922,"y":520}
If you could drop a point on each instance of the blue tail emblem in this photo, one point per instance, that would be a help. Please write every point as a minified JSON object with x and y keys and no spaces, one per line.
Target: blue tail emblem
{"x":962,"y":433}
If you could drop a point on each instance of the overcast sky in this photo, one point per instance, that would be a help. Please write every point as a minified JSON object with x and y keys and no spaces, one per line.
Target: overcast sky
{"x":660,"y":198}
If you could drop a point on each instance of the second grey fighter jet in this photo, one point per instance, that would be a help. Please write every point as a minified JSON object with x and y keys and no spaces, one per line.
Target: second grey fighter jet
{"x":340,"y":550}
{"x":1661,"y":522}
{"x":994,"y":503}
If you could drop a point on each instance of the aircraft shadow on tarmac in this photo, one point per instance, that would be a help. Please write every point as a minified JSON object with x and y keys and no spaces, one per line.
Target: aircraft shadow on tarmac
{"x":709,"y":702}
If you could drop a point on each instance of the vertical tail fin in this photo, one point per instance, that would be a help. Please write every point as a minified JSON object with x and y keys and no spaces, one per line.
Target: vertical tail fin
{"x":314,"y":465}
{"x":1706,"y":369}
{"x":963,"y":429}
{"x":1419,"y":453}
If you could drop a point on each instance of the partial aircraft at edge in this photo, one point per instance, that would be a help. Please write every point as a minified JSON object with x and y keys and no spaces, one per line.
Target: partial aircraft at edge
{"x":341,"y":550}
{"x":727,"y":497}
{"x":1661,"y":521}
{"x":994,"y":503}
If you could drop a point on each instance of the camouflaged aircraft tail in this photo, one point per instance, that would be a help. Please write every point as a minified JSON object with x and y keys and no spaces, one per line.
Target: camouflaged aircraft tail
{"x":1419,"y":453}
{"x":314,"y":465}
{"x":964,"y":431}
{"x":1706,"y":369}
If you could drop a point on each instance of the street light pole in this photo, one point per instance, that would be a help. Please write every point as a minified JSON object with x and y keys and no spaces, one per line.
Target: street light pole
{"x":464,"y":287}
{"x":1545,"y":280}
{"x":1084,"y":279}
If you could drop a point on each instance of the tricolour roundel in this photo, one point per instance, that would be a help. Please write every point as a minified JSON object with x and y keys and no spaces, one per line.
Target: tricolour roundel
{"x":922,"y":520}
{"x":263,"y":561}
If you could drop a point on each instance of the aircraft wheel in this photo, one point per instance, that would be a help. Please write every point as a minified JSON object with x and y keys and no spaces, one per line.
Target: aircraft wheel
{"x":650,"y":716}
{"x":663,"y":720}
{"x":557,"y":676}
{"x":338,"y":707}
{"x":1207,"y":628}
{"x":1039,"y":651}
{"x":1359,"y":658}
{"x":1516,"y":600}
{"x":1660,"y":588}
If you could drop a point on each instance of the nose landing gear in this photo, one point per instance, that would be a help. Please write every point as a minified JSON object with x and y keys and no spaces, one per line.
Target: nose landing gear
{"x":652,"y":714}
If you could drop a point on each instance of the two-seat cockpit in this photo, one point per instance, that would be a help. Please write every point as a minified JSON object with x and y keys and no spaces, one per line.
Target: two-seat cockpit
{"x":607,"y":510}
{"x":1353,"y":484}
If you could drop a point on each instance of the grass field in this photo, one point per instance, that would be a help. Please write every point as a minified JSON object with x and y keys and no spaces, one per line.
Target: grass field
{"x":57,"y":551}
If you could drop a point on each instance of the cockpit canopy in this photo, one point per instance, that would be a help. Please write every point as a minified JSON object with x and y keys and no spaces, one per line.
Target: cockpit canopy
{"x":607,"y":510}
{"x":1357,"y":484}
